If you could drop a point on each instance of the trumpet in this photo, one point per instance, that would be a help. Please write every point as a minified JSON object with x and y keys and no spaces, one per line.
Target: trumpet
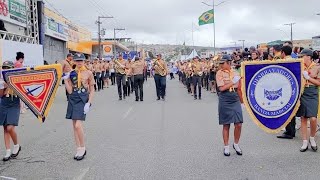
{"x":119,"y":68}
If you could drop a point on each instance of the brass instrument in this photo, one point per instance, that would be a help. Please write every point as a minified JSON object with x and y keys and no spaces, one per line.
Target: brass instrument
{"x":119,"y":68}
{"x":159,"y":68}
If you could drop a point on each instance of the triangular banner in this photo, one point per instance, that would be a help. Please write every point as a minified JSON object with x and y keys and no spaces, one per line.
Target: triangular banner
{"x":36,"y":87}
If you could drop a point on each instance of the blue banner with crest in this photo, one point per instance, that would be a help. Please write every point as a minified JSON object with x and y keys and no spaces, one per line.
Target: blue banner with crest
{"x":271,"y":92}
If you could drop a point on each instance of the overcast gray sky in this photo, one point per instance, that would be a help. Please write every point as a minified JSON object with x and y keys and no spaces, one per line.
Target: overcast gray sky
{"x":170,"y":21}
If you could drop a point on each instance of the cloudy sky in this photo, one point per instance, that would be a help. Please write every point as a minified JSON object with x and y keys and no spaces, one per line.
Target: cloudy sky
{"x":171,"y":21}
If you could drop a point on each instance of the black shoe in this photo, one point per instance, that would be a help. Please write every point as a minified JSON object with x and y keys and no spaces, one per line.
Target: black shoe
{"x":195,"y":98}
{"x":238,"y":152}
{"x":124,"y":97}
{"x":15,"y":155}
{"x":285,"y":136}
{"x":120,"y":98}
{"x":141,"y":99}
{"x":226,"y":154}
{"x":79,"y":158}
{"x":137,"y":99}
{"x":314,"y":148}
{"x":304,"y":150}
{"x":163,"y":98}
{"x":158,"y":98}
{"x":6,"y":158}
{"x":199,"y":98}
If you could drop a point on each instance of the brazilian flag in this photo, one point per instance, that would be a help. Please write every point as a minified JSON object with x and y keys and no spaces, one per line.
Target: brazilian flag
{"x":206,"y":18}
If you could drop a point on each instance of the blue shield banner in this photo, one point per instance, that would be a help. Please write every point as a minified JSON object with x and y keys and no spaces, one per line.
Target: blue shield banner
{"x":271,"y":92}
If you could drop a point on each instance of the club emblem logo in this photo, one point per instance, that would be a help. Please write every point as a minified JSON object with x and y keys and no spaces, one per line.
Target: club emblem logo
{"x":273,"y":91}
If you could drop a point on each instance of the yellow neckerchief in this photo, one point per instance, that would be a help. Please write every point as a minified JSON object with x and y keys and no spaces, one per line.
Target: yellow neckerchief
{"x":83,"y":68}
{"x":307,"y":69}
{"x":231,"y":76}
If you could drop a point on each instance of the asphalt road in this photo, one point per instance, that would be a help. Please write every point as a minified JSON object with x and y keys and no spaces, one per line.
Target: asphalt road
{"x":176,"y":139}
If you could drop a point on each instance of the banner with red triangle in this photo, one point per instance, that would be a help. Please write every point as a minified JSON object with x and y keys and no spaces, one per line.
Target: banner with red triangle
{"x":36,"y":87}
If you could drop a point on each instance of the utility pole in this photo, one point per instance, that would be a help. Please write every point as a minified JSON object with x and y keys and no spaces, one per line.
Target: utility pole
{"x":242,"y":43}
{"x":235,"y":43}
{"x":114,"y":40}
{"x":290,"y":24}
{"x":99,"y":32}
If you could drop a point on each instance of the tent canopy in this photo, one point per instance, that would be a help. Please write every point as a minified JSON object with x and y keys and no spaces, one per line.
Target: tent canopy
{"x":192,"y":54}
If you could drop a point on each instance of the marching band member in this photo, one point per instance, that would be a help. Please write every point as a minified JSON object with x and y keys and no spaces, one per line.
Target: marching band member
{"x":309,"y":100}
{"x":129,"y":80}
{"x":121,"y":78}
{"x":80,"y":86}
{"x":188,"y":70}
{"x":103,"y":73}
{"x":160,"y":78}
{"x":112,"y":73}
{"x":67,"y":66}
{"x":137,"y":71}
{"x":107,"y":70}
{"x":9,"y":115}
{"x":197,"y":69}
{"x":230,"y":111}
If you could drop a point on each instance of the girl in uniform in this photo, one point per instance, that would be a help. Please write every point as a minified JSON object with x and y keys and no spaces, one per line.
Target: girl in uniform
{"x":80,"y":86}
{"x":230,"y":111}
{"x":9,"y":115}
{"x":309,"y":101}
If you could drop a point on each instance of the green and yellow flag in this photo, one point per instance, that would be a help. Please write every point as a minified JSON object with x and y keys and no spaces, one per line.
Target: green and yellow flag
{"x":206,"y":18}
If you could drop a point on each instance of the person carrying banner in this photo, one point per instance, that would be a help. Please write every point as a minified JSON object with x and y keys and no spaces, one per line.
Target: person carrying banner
{"x":230,"y":107}
{"x":309,"y":100}
{"x":290,"y":132}
{"x":9,"y":115}
{"x":80,"y":86}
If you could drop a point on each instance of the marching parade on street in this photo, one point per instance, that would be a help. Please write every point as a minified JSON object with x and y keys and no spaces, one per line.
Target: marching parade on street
{"x":143,"y":106}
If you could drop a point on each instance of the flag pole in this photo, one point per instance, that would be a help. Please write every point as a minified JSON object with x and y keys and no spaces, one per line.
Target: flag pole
{"x":214,"y":30}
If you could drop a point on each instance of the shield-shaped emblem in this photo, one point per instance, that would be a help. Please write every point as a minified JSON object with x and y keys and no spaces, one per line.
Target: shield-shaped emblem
{"x":36,"y":87}
{"x":271,"y":91}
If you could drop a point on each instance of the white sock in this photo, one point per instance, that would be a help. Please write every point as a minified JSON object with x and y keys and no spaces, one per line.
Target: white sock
{"x":312,"y":141}
{"x":16,"y":148}
{"x":226,"y":149}
{"x":82,"y":150}
{"x":8,"y":153}
{"x":305,"y":144}
{"x":78,"y":152}
{"x":236,"y":146}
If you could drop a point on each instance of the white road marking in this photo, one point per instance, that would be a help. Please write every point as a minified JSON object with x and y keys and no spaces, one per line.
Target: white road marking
{"x":9,"y":178}
{"x":127,"y":113}
{"x":81,"y":176}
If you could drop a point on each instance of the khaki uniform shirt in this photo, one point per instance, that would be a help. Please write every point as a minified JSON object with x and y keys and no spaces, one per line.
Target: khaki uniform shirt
{"x":224,"y":77}
{"x":137,"y":67}
{"x":163,"y":64}
{"x":197,"y":68}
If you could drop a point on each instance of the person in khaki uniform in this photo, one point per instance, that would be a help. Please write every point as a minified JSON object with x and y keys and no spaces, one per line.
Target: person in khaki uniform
{"x":80,"y":86}
{"x":97,"y":71}
{"x":230,"y":99}
{"x":308,"y":109}
{"x":121,"y":78}
{"x":107,"y":70}
{"x":67,"y":66}
{"x":137,"y":68}
{"x":129,"y":79}
{"x":160,"y":80}
{"x":197,"y":69}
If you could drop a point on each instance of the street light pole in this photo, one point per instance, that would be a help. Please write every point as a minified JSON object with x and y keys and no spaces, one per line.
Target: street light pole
{"x":114,"y":40}
{"x":290,"y":24}
{"x":242,"y":43}
{"x":99,"y":32}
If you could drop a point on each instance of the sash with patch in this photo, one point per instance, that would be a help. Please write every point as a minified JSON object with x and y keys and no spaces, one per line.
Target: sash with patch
{"x":36,"y":87}
{"x":271,"y":92}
